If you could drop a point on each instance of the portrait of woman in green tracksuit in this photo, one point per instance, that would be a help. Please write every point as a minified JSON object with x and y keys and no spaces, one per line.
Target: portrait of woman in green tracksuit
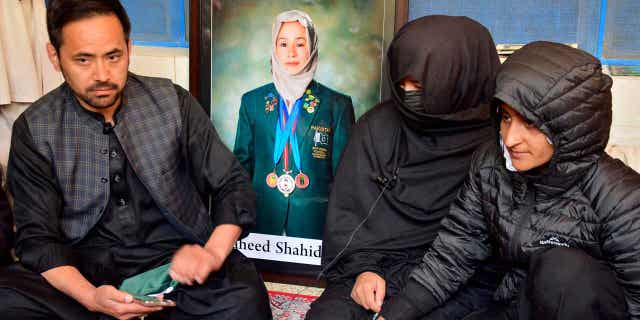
{"x":291,"y":133}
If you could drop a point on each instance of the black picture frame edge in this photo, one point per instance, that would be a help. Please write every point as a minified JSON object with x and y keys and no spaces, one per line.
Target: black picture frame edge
{"x":402,"y":14}
{"x":200,"y":52}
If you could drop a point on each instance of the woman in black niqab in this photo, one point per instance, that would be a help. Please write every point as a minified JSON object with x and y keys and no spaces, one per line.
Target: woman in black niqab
{"x":455,"y":60}
{"x":407,"y":158}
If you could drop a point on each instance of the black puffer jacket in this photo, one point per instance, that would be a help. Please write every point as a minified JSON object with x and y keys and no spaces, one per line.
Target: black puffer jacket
{"x":582,"y":199}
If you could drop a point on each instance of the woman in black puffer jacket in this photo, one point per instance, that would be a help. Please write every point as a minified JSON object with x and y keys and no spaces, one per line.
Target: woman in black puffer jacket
{"x":562,"y":215}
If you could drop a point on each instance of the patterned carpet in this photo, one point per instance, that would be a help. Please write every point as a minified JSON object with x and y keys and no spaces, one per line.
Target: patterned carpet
{"x":289,"y":306}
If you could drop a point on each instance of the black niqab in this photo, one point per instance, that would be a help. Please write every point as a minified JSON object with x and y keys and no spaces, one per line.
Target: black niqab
{"x":419,"y":156}
{"x":455,"y":60}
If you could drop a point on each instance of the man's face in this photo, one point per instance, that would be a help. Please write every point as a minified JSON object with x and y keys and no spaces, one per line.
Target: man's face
{"x":94,"y":59}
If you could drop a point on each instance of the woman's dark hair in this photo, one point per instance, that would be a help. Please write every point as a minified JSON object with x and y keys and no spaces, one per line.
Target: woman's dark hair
{"x":63,"y":12}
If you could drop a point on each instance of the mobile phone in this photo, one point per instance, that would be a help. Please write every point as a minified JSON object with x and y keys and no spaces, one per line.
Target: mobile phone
{"x":155,"y":303}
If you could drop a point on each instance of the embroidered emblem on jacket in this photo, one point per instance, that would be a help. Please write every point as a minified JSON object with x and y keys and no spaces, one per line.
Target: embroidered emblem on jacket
{"x":320,"y":138}
{"x":321,"y":142}
{"x":310,"y":102}
{"x":321,"y":128}
{"x":271,"y":101}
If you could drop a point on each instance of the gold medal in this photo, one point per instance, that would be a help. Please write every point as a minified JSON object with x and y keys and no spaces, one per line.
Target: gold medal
{"x":302,"y":181}
{"x":272,"y":180}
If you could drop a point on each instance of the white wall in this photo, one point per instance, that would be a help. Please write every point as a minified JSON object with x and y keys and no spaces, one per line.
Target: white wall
{"x":170,"y":63}
{"x":626,"y":111}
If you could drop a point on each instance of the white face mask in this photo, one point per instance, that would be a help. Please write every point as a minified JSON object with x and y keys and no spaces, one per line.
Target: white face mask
{"x":507,"y":157}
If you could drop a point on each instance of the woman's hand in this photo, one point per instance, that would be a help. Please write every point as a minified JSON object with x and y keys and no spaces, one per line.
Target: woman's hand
{"x":369,"y":291}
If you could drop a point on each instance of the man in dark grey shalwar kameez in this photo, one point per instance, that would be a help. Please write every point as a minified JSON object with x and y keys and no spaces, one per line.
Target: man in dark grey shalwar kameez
{"x":114,"y":174}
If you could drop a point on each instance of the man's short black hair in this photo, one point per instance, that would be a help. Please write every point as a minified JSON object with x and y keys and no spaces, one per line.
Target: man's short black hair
{"x":63,"y":12}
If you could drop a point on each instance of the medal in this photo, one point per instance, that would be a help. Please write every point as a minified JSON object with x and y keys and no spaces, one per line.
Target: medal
{"x":302,"y":180}
{"x":286,"y":139}
{"x":286,"y":185}
{"x":272,"y":180}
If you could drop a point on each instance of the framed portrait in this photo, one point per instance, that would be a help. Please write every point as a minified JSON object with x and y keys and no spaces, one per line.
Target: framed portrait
{"x":232,"y":47}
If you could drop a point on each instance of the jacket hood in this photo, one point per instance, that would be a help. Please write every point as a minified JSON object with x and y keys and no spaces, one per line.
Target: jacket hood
{"x":455,"y":60}
{"x":563,"y":92}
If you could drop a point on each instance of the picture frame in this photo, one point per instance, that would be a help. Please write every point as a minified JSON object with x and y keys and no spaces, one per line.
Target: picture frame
{"x":203,"y":38}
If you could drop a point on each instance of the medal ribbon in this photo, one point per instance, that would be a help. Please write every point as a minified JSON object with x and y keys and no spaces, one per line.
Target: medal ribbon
{"x":285,"y":132}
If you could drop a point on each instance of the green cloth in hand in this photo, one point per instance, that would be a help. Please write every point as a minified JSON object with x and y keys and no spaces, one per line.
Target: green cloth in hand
{"x":147,"y":285}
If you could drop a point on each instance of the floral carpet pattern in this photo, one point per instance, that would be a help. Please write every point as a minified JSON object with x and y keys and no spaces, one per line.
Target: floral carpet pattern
{"x":289,"y":306}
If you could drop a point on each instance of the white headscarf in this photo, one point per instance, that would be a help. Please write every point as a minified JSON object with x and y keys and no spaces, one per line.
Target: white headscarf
{"x":292,"y":86}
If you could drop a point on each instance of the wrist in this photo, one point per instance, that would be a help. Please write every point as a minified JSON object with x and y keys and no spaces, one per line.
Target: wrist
{"x":88,"y":300}
{"x":369,"y":274}
{"x":217,"y":252}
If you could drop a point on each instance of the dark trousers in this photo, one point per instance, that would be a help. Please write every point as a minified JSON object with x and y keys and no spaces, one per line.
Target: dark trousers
{"x":563,"y":284}
{"x":234,"y":292}
{"x":336,"y":302}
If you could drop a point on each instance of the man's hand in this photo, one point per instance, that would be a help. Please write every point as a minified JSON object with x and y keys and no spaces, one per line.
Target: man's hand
{"x":111,"y":301}
{"x":193,"y":263}
{"x":104,"y":299}
{"x":369,"y":291}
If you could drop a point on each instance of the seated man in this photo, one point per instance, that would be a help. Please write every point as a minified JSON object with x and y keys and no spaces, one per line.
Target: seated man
{"x":6,"y":226}
{"x":403,"y":165}
{"x":114,"y":174}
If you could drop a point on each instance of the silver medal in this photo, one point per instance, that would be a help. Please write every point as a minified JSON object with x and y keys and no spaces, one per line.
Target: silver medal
{"x":286,"y":184}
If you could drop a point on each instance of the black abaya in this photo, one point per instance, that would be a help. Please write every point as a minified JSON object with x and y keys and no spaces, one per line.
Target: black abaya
{"x":420,"y":154}
{"x":404,"y":164}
